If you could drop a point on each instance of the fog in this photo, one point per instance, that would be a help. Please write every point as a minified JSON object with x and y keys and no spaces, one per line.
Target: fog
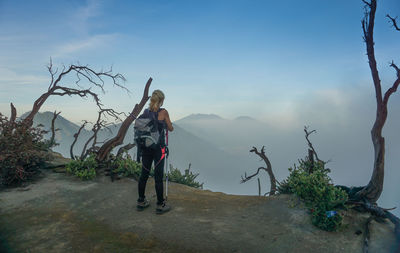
{"x":218,"y":148}
{"x":342,"y":120}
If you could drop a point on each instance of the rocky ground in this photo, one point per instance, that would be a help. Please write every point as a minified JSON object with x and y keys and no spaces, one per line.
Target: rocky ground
{"x":60,"y":213}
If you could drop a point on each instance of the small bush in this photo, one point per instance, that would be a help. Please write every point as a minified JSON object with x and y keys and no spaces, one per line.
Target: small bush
{"x":175,"y":175}
{"x":22,"y":151}
{"x":318,"y":193}
{"x":84,"y":169}
{"x":129,"y":168}
{"x":126,"y":167}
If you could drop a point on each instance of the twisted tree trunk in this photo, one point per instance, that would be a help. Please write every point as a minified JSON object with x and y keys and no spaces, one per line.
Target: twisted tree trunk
{"x":53,"y":130}
{"x":13,"y":113}
{"x":119,"y":138}
{"x":76,"y":135}
{"x":268,"y":170}
{"x":373,"y":190}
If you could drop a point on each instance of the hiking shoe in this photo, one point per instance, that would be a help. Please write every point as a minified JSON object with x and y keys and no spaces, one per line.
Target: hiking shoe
{"x":142,"y":205}
{"x":163,"y":208}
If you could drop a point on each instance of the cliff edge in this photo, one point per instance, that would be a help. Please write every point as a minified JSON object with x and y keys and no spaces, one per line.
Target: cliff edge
{"x":60,"y":213}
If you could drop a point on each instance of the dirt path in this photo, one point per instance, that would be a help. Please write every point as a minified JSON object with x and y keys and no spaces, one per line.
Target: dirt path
{"x":62,"y":214}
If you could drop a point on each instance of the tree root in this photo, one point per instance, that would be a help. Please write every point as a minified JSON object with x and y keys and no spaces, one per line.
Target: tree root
{"x":367,"y":236}
{"x":364,"y":205}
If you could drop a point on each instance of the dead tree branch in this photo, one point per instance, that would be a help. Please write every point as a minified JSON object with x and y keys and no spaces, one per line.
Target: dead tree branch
{"x":82,"y":72}
{"x":96,"y":128}
{"x":84,"y":149}
{"x":394,"y":87}
{"x":366,"y":3}
{"x":310,"y":144}
{"x":393,"y":20}
{"x":75,"y":139}
{"x":268,"y":170}
{"x":125,"y":149}
{"x":247,"y":178}
{"x":53,"y":131}
{"x":119,"y":138}
{"x":367,"y":235}
{"x":13,"y":113}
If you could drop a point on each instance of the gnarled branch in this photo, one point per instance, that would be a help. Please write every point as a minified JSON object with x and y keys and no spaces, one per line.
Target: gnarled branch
{"x":367,"y":234}
{"x":82,"y":72}
{"x":96,"y":128}
{"x":366,"y":3}
{"x":368,"y":30}
{"x":75,"y":139}
{"x":310,"y":144}
{"x":125,"y":148}
{"x":268,"y":170}
{"x":119,"y":138}
{"x":394,"y":87}
{"x":393,"y":20}
{"x":247,"y":178}
{"x":53,"y":131}
{"x":13,"y":113}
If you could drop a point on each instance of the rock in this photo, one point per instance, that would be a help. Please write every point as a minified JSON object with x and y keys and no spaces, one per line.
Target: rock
{"x":56,"y":160}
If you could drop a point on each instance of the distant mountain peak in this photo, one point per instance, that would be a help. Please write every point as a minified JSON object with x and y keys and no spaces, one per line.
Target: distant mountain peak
{"x":245,"y":118}
{"x":42,"y":114}
{"x":201,"y":116}
{"x":46,"y":117}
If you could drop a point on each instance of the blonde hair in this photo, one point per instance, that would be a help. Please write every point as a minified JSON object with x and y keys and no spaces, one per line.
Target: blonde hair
{"x":156,"y":99}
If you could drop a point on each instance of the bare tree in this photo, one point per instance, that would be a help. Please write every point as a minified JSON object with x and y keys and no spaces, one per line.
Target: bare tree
{"x":311,"y":150}
{"x":268,"y":170}
{"x":100,"y":123}
{"x":82,"y":72}
{"x":53,"y":130}
{"x":107,"y":147}
{"x":76,"y":135}
{"x":365,"y":197}
{"x":373,"y":190}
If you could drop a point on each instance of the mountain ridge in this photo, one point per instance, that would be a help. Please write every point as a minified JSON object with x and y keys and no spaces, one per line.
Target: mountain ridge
{"x":211,"y":162}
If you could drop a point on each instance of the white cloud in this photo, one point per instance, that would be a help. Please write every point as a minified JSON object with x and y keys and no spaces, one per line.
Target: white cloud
{"x":9,"y":77}
{"x":333,"y":107}
{"x":336,"y":97}
{"x":283,"y":113}
{"x":90,"y":43}
{"x":80,"y":18}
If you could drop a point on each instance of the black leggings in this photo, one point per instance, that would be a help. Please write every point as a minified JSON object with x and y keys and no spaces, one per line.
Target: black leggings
{"x":148,"y":156}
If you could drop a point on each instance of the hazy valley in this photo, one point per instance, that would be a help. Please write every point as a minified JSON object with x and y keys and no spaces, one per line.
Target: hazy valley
{"x":218,"y":149}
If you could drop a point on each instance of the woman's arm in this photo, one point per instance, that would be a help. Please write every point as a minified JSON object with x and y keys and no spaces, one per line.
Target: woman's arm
{"x":167,"y":120}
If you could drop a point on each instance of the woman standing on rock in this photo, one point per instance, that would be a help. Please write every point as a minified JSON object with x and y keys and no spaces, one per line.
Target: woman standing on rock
{"x":157,"y":155}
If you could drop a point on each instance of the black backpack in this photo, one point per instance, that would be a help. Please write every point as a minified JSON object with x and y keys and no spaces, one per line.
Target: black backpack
{"x":146,"y":129}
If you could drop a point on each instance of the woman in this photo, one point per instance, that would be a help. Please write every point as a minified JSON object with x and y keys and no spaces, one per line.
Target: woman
{"x":149,"y":155}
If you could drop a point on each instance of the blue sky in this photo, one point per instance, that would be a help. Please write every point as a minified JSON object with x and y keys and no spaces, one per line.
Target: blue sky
{"x":231,"y":58}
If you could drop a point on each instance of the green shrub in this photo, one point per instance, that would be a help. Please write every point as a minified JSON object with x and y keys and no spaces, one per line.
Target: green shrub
{"x":175,"y":175}
{"x":84,"y":169}
{"x":126,"y":167}
{"x":318,"y":193}
{"x":22,"y":151}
